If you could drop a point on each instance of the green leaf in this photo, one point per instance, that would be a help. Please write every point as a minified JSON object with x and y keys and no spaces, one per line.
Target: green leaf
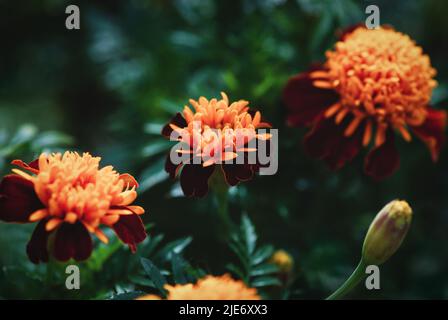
{"x":262,"y":254}
{"x":265,"y":282}
{"x":176,"y":246}
{"x":250,"y":236}
{"x":101,"y":254}
{"x":178,"y":267}
{"x":156,"y":147}
{"x":131,"y":295}
{"x":154,"y":274}
{"x":234,"y":269}
{"x":24,"y":134}
{"x":50,"y":139}
{"x":142,"y":281}
{"x":264,"y":269}
{"x":153,"y":175}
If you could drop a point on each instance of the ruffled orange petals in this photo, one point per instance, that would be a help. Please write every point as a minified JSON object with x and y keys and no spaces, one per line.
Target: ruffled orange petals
{"x":213,"y":288}
{"x":213,"y":133}
{"x":71,"y":197}
{"x":432,"y":131}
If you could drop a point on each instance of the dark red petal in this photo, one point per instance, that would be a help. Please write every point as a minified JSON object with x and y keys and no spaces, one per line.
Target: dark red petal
{"x":172,"y":168}
{"x":304,"y":101}
{"x":235,"y":173}
{"x":432,"y":131}
{"x":326,"y":141}
{"x":177,"y":120}
{"x":36,"y":249}
{"x":383,"y":160}
{"x":72,"y":241}
{"x":130,"y":230}
{"x":194,"y":179}
{"x":17,"y":199}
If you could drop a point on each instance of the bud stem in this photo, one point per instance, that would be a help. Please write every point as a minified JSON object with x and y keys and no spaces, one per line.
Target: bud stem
{"x":351,"y":282}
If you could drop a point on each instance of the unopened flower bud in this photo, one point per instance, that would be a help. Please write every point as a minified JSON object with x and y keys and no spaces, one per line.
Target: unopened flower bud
{"x":283,"y":260}
{"x":387,"y":231}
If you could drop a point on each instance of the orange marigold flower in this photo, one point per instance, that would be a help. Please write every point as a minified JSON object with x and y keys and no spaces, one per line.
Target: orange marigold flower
{"x":214,"y":132}
{"x":375,"y":83}
{"x":210,"y":288}
{"x":70,"y":195}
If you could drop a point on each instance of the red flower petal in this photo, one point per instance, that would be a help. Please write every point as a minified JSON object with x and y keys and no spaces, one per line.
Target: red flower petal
{"x":130,"y":230}
{"x":178,"y":120}
{"x":304,"y":101}
{"x":72,"y":241}
{"x":432,"y":130}
{"x":326,"y":141}
{"x":171,"y":168}
{"x":235,"y":173}
{"x":383,"y":160}
{"x":32,"y":166}
{"x":17,"y":199}
{"x":194,"y":179}
{"x":36,"y":248}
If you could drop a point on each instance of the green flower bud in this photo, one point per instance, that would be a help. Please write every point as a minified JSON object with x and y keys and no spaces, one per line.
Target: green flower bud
{"x":386,"y":233}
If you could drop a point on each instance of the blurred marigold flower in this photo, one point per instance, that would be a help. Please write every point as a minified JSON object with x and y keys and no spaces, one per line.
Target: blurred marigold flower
{"x":375,"y":83}
{"x":387,"y":231}
{"x":209,"y":288}
{"x":283,"y":260}
{"x":214,"y":134}
{"x":70,"y":197}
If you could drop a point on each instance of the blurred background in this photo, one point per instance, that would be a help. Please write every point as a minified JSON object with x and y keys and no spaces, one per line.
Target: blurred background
{"x":109,"y":87}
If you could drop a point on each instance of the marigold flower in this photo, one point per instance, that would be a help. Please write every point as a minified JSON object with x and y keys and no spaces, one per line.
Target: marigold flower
{"x":70,"y":196}
{"x":214,"y":133}
{"x":210,"y":288}
{"x":375,"y":83}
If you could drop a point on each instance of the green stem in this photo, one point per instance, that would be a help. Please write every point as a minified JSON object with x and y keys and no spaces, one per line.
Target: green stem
{"x":350,"y":283}
{"x":223,"y":208}
{"x":220,"y":190}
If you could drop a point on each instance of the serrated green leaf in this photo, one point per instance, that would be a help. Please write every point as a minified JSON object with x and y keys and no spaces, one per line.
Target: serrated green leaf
{"x":154,"y":274}
{"x":178,"y":267}
{"x":142,"y":281}
{"x":176,"y":246}
{"x":234,"y":269}
{"x":250,"y":236}
{"x":132,"y":295}
{"x":265,"y":282}
{"x":264,"y":269}
{"x":153,"y":175}
{"x":156,"y":147}
{"x":262,"y":254}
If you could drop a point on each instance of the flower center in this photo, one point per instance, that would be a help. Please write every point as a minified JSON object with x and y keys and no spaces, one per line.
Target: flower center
{"x":381,"y":75}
